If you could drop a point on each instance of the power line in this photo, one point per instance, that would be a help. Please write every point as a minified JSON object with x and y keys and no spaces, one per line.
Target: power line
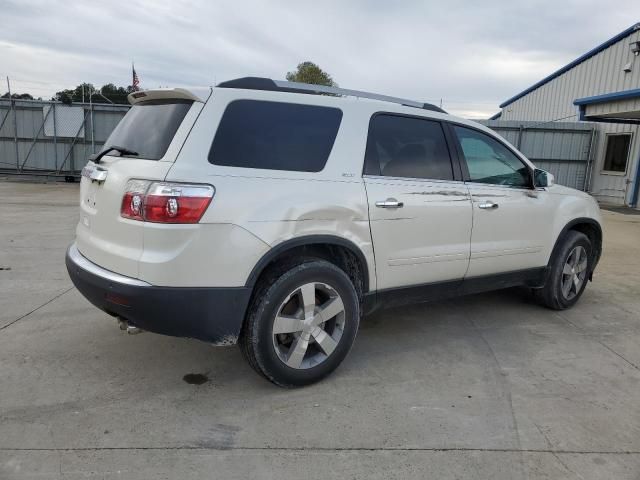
{"x":551,"y":121}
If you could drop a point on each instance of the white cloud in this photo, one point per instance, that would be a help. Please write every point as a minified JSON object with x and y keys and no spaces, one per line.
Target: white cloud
{"x":472,"y":55}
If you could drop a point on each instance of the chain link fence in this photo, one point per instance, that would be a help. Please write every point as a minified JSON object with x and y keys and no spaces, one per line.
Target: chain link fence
{"x":52,"y":139}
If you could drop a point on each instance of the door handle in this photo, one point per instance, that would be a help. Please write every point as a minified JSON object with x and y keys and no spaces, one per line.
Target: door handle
{"x":390,"y":203}
{"x":488,"y":205}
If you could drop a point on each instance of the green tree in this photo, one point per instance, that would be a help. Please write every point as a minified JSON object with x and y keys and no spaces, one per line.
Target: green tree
{"x":116,"y":94}
{"x":77,"y":94}
{"x":309,"y":72}
{"x":18,"y":96}
{"x":86,"y":91}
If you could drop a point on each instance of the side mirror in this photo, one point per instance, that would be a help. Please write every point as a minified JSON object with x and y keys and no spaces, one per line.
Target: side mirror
{"x":543,"y":179}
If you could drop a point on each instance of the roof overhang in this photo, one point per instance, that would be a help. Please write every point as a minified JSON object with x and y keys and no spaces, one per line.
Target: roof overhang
{"x":615,"y":107}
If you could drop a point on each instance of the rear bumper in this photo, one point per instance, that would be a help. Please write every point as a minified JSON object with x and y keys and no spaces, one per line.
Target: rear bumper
{"x":213,"y":315}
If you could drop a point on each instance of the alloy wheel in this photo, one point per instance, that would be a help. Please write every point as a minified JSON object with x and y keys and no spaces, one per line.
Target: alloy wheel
{"x":574,"y":272}
{"x":308,"y":325}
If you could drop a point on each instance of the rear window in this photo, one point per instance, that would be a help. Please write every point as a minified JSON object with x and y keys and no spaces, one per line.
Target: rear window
{"x":148,"y":128}
{"x":275,"y":136}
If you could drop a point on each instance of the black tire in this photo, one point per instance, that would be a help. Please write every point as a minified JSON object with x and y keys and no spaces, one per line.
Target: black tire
{"x":257,"y":338}
{"x":552,"y":295}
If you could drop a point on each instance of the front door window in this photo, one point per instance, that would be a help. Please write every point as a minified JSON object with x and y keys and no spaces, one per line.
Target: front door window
{"x":488,"y":161}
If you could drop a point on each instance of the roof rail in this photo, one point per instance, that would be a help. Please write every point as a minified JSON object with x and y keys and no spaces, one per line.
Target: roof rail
{"x":261,"y":83}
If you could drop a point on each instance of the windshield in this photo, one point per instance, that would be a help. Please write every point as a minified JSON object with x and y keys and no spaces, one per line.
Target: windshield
{"x":148,"y":128}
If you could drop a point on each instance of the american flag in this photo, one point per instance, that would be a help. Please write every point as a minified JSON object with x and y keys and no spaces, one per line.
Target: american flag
{"x":136,"y":80}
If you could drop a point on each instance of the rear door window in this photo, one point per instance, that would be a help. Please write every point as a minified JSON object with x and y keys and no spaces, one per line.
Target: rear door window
{"x":148,"y":128}
{"x":275,"y":136}
{"x":408,"y":147}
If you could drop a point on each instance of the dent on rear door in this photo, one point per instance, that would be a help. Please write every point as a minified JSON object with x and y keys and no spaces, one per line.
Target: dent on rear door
{"x":306,"y":208}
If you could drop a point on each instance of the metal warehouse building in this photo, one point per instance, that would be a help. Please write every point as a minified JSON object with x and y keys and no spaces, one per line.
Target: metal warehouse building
{"x":602,"y":86}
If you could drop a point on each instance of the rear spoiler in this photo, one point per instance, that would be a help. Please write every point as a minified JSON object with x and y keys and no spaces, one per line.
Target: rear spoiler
{"x":169,"y":94}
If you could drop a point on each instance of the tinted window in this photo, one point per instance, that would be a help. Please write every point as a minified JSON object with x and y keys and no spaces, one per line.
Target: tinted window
{"x":489,"y":161}
{"x":407,"y":147}
{"x":275,"y":136}
{"x":615,"y":158}
{"x":148,"y":128}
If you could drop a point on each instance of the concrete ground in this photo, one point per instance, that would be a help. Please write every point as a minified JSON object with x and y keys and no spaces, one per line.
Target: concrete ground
{"x":486,"y":386}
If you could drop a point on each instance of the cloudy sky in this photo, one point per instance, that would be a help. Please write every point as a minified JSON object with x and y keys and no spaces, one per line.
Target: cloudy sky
{"x":472,"y":55}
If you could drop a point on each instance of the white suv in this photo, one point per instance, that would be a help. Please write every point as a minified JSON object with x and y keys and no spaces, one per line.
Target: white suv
{"x":276,"y":214}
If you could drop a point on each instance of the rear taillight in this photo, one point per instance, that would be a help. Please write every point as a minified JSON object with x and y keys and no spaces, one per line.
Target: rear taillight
{"x":133,"y":199}
{"x":163,"y":202}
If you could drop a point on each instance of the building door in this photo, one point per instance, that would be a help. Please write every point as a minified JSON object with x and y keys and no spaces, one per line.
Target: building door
{"x":616,"y":160}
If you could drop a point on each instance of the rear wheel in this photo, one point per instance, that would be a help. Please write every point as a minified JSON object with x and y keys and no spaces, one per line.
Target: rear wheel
{"x":569,"y":273}
{"x":301,"y":323}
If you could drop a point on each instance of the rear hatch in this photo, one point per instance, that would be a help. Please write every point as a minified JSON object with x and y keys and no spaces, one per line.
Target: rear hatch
{"x":145,"y":144}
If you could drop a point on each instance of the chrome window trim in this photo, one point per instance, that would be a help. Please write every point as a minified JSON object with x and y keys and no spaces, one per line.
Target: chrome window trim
{"x":411,"y":179}
{"x":495,"y":185}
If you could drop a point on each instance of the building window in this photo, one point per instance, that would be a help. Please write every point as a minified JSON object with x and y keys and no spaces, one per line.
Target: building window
{"x":617,"y":153}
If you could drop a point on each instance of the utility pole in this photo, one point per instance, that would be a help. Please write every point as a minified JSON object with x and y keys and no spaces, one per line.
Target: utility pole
{"x":93,"y":148}
{"x":15,"y":123}
{"x":55,"y":134}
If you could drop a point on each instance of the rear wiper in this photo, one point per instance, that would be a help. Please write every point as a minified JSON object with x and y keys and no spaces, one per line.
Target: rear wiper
{"x":121,"y":150}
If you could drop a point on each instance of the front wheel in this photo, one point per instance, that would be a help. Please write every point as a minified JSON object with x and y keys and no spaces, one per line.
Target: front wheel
{"x":568,"y":273}
{"x":301,"y":323}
